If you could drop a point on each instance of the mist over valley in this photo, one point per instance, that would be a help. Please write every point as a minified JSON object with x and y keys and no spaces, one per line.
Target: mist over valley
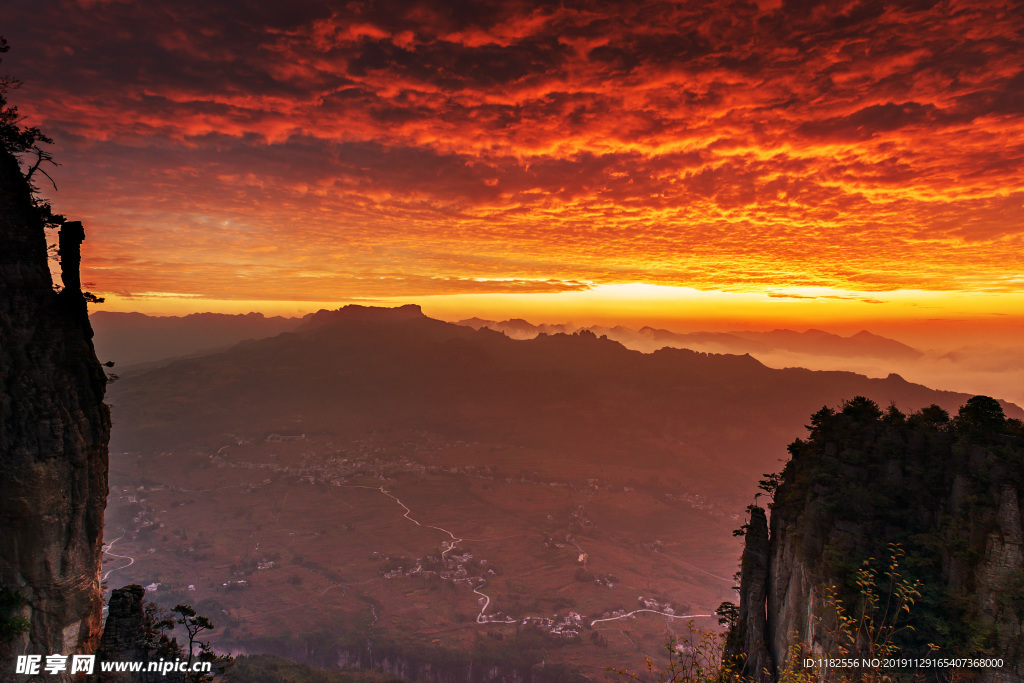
{"x":377,"y":480}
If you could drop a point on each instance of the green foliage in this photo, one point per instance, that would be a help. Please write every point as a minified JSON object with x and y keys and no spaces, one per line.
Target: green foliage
{"x":980,"y":419}
{"x":932,"y":417}
{"x":875,"y":630}
{"x":915,"y":489}
{"x":820,"y":422}
{"x":866,"y":478}
{"x":884,"y":605}
{"x":862,"y":409}
{"x":885,"y":600}
{"x":728,"y":614}
{"x":12,"y":624}
{"x":697,"y":657}
{"x":770,"y":483}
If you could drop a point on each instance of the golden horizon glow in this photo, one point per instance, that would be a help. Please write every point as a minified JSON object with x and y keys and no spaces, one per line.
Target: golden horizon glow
{"x":908,"y":315}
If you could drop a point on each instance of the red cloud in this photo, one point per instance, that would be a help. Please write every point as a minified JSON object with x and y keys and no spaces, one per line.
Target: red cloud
{"x":715,"y":145}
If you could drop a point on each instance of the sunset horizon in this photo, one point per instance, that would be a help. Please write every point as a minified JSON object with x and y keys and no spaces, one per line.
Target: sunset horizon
{"x":804,"y":165}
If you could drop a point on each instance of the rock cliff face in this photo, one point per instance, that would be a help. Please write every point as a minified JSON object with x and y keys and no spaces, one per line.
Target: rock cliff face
{"x":751,"y":627}
{"x":128,"y":637}
{"x":54,"y":430}
{"x":947,"y":492}
{"x":124,"y":635}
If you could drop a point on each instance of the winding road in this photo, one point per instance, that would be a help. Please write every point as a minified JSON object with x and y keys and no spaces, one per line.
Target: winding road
{"x":487,"y":600}
{"x":455,"y":539}
{"x":450,"y":546}
{"x":106,"y":551}
{"x":652,"y":611}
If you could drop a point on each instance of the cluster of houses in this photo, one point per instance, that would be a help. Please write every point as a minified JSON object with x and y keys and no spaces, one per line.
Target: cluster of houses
{"x":451,"y":568}
{"x":656,"y":605}
{"x":496,"y":618}
{"x":568,"y":626}
{"x":367,"y":458}
{"x":380,"y":459}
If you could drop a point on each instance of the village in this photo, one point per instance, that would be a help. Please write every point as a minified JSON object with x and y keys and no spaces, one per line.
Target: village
{"x":157,"y":509}
{"x":324,"y":462}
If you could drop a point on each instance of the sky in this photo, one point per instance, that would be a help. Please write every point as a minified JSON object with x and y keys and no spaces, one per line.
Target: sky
{"x":821,"y":164}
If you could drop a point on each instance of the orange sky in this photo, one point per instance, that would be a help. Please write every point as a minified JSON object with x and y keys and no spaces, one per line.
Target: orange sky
{"x":791,"y":161}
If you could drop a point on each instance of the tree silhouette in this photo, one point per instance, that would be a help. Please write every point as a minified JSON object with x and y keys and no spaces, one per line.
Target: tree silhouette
{"x":16,"y":139}
{"x":194,"y":625}
{"x":980,"y":418}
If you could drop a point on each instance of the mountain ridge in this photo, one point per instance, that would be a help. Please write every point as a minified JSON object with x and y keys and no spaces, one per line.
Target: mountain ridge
{"x":579,"y":391}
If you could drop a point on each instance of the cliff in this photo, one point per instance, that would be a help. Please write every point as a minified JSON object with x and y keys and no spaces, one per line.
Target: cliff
{"x":131,"y":635}
{"x":54,"y":430}
{"x":751,"y":626}
{"x":890,"y":508}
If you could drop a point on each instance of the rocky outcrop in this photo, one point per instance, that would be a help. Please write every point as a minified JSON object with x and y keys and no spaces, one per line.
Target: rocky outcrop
{"x":54,"y":430}
{"x":129,"y":636}
{"x":124,"y":635}
{"x":752,"y":626}
{"x":1001,"y":574}
{"x":945,"y":493}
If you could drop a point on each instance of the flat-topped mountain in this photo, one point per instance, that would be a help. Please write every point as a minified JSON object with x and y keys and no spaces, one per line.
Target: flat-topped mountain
{"x":717,"y":417}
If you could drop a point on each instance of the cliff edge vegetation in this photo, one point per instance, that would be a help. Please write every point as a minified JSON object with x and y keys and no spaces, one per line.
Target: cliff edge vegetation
{"x":880,"y":512}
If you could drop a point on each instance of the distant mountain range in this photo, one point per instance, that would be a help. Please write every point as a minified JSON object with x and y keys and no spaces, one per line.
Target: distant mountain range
{"x":816,"y":342}
{"x":718,"y":419}
{"x":134,"y":338}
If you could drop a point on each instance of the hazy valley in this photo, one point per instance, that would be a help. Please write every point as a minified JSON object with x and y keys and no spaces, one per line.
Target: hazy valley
{"x":380,"y":486}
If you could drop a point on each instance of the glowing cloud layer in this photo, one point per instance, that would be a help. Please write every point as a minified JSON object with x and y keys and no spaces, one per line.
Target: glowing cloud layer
{"x":303,"y":151}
